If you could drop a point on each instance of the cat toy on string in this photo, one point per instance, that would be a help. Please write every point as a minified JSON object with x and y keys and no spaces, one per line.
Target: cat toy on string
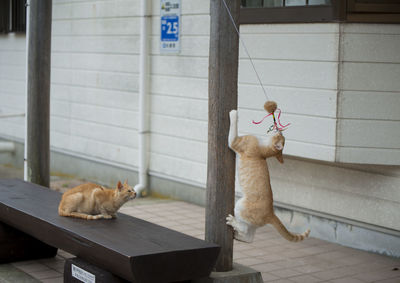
{"x":271,"y":107}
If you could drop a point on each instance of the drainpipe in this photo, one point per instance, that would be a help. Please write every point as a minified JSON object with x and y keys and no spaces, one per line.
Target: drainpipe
{"x":26,"y":90}
{"x":143,"y":130}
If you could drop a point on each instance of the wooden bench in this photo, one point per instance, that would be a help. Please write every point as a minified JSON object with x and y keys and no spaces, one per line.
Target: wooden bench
{"x":131,"y":248}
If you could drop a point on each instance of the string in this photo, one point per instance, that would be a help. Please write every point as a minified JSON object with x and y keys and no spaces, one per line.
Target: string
{"x":275,"y":126}
{"x":245,"y":49}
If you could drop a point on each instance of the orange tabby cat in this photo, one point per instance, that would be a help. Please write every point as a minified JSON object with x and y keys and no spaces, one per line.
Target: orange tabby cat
{"x":91,"y":201}
{"x":255,"y":208}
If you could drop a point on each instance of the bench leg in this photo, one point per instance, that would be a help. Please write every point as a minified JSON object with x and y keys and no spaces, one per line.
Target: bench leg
{"x":16,"y":246}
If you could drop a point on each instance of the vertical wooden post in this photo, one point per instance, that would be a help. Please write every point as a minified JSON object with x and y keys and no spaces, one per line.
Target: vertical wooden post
{"x":38,"y":116}
{"x":222,"y":87}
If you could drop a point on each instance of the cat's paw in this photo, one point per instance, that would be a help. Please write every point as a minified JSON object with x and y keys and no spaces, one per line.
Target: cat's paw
{"x":94,"y":217}
{"x":233,"y":115}
{"x":230,"y":220}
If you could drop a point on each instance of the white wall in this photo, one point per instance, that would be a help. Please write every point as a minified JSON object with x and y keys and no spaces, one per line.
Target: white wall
{"x":94,"y":78}
{"x":179,"y":98}
{"x":12,"y":84}
{"x":369,"y":97}
{"x":298,"y":67}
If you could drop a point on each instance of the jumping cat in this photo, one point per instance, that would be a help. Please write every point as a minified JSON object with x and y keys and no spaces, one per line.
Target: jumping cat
{"x":255,"y":208}
{"x":91,"y":201}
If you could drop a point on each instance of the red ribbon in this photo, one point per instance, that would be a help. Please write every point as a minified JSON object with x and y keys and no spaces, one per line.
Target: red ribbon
{"x":281,"y":128}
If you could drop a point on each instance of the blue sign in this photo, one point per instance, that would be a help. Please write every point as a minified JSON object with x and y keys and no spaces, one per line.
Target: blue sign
{"x":170,"y":13}
{"x":170,"y":28}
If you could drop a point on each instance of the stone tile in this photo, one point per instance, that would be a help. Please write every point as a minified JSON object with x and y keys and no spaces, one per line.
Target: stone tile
{"x":255,"y":252}
{"x":26,"y":262}
{"x":378,"y":275}
{"x":272,"y":258}
{"x":249,"y":261}
{"x":11,"y":274}
{"x":267,"y":277}
{"x":46,"y":274}
{"x":346,"y":280}
{"x":333,"y":255}
{"x":285,"y":273}
{"x":294,"y":254}
{"x":53,"y":280}
{"x":279,"y":250}
{"x":65,"y":254}
{"x":33,"y":267}
{"x":237,"y":255}
{"x":336,"y":273}
{"x":352,"y":260}
{"x":305,"y":279}
{"x":239,"y":246}
{"x":291,"y":263}
{"x":281,"y":281}
{"x":308,"y":268}
{"x":57,"y":266}
{"x":186,"y":221}
{"x":392,"y":280}
{"x":266,"y":267}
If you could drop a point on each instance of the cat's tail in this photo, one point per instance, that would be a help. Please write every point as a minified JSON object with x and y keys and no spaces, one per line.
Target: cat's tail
{"x":80,"y":215}
{"x":276,"y":222}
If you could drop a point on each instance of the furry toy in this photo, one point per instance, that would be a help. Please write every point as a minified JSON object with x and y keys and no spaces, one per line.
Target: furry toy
{"x":255,"y":208}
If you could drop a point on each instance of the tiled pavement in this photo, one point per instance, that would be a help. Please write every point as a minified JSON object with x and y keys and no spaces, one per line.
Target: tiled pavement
{"x":278,"y":260}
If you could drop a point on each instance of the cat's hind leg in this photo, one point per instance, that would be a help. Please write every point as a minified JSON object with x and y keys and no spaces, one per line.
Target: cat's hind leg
{"x":70,"y":207}
{"x":243,"y":231}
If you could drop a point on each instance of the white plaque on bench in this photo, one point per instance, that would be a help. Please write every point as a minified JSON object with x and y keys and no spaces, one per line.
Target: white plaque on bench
{"x":82,"y":275}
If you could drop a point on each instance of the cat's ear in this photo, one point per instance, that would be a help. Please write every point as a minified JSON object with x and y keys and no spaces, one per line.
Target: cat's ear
{"x":126,"y":182}
{"x":119,"y":185}
{"x":279,"y":156}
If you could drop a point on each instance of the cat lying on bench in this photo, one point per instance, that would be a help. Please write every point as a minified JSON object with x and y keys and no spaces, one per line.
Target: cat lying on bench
{"x":92,"y":201}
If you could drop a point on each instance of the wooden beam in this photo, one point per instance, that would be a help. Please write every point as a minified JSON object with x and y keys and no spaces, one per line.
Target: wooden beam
{"x":223,"y":77}
{"x":38,"y":114}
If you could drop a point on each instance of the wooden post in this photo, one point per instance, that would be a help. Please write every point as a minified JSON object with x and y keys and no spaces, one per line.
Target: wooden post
{"x":223,"y":76}
{"x":38,"y":115}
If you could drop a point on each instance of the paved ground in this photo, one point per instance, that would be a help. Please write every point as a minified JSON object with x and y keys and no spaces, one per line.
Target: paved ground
{"x":278,"y":260}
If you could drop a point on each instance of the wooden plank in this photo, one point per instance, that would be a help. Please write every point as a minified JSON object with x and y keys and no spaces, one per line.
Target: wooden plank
{"x":131,"y":248}
{"x":222,"y":92}
{"x":38,"y":91}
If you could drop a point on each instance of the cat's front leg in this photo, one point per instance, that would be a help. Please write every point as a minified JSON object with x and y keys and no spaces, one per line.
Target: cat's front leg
{"x":233,"y":127}
{"x":105,"y":214}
